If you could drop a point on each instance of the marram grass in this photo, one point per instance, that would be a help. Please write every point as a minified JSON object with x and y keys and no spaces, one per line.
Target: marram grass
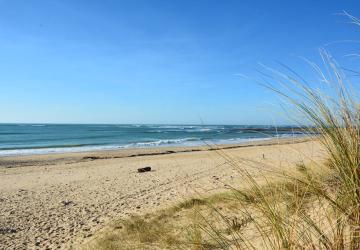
{"x":313,"y":207}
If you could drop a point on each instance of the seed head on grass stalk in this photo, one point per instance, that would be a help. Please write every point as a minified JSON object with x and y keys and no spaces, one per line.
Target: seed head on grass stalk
{"x":331,"y":111}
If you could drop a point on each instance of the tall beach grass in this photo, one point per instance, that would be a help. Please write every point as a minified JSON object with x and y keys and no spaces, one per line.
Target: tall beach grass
{"x":314,"y":206}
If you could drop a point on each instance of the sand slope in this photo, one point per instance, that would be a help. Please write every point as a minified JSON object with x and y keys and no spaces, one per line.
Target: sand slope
{"x":58,"y":201}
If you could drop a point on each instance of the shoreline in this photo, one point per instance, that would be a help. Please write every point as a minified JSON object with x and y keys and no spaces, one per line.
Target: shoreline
{"x":73,"y":157}
{"x":181,"y":142}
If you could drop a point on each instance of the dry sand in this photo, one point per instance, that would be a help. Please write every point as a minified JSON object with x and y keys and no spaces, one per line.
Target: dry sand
{"x":59,"y":201}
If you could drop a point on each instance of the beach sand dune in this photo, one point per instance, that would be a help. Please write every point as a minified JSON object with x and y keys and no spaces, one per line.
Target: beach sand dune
{"x":59,"y":201}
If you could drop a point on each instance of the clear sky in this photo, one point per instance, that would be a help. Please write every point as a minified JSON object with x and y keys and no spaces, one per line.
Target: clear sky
{"x":153,"y":61}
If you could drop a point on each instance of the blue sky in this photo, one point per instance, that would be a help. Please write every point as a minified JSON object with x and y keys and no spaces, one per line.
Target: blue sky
{"x":158,"y":61}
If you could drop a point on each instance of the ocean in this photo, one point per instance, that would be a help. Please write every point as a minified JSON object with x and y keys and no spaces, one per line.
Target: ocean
{"x":28,"y":139}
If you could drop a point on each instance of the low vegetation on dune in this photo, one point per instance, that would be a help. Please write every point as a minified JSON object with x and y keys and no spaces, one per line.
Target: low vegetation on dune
{"x":249,"y":218}
{"x":315,"y":206}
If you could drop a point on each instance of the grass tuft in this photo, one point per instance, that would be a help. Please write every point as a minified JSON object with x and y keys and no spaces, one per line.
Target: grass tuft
{"x":315,"y":207}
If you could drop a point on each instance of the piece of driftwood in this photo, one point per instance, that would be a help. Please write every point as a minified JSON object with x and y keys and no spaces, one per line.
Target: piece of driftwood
{"x":145,"y":169}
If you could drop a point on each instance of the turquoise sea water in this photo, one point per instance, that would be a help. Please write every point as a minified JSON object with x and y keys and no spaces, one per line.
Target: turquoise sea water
{"x":25,"y":139}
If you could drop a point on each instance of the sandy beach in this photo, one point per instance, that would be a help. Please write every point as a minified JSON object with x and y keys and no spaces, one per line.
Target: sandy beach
{"x":59,"y":201}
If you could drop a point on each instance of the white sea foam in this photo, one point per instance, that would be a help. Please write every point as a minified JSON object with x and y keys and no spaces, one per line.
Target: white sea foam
{"x":156,"y":143}
{"x":39,"y":151}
